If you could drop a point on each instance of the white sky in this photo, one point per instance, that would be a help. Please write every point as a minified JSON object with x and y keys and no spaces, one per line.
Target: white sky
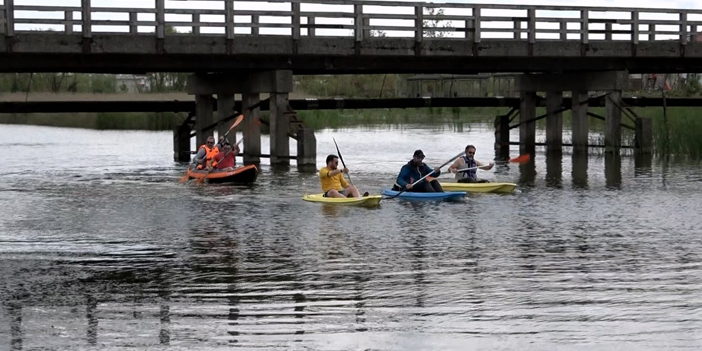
{"x":244,"y":5}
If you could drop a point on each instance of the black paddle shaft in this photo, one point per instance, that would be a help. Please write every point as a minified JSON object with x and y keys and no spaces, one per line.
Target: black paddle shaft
{"x":342,"y":160}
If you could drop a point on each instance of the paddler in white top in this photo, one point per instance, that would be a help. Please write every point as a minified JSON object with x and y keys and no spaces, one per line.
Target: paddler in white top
{"x":466,"y":167}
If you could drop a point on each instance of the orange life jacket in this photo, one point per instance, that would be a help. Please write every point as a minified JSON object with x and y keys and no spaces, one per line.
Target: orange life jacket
{"x":209,"y":153}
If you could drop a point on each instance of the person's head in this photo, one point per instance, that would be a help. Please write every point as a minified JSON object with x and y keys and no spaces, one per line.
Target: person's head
{"x":210,"y":141}
{"x":418,"y":157}
{"x":227,"y":147}
{"x":470,"y":151}
{"x":333,"y":162}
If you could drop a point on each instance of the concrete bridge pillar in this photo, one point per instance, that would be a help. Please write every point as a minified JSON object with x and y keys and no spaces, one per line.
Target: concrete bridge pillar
{"x":579,"y":84}
{"x":527,"y":123}
{"x":250,"y":84}
{"x":554,"y":122}
{"x":613,"y":122}
{"x":279,"y":128}
{"x":579,"y":126}
{"x":252,"y":141}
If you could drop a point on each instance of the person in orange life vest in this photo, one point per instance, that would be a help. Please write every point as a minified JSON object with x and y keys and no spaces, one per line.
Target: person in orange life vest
{"x":205,"y":153}
{"x":333,"y":182}
{"x":469,"y":161}
{"x":225,"y":159}
{"x":413,"y":171}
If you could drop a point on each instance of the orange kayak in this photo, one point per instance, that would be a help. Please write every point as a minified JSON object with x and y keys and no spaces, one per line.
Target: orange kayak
{"x":242,"y":175}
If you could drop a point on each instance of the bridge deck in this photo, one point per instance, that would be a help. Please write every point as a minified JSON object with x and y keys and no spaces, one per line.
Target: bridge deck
{"x":340,"y":36}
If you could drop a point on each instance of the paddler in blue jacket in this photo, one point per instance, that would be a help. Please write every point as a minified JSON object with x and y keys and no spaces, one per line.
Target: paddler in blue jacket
{"x":414,"y":170}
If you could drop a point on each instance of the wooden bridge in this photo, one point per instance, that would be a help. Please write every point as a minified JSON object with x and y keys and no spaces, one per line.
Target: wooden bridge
{"x":341,"y":36}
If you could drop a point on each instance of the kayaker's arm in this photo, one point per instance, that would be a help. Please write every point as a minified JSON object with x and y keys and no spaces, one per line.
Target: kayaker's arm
{"x":454,"y":167}
{"x":198,"y":159}
{"x":401,"y":182}
{"x":483,"y":166}
{"x":436,"y":170}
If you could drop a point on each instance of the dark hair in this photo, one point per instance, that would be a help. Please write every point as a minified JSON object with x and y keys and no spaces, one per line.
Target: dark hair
{"x":331,"y":158}
{"x":471,"y":147}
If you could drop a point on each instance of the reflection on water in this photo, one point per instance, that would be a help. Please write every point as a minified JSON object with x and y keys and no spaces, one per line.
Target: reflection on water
{"x":102,"y":248}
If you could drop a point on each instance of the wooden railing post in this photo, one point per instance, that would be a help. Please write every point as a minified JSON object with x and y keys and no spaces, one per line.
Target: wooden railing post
{"x":68,"y":24}
{"x":229,"y":21}
{"x":254,"y":25}
{"x":608,"y":31}
{"x":9,"y":27}
{"x":418,"y":23}
{"x":563,"y":26}
{"x":86,"y":19}
{"x":584,"y":26}
{"x":476,"y":24}
{"x":196,"y":24}
{"x":358,"y":21}
{"x":310,"y":27}
{"x":635,"y":27}
{"x":133,"y":23}
{"x":160,"y":19}
{"x":296,"y":21}
{"x":683,"y":28}
{"x":532,"y":25}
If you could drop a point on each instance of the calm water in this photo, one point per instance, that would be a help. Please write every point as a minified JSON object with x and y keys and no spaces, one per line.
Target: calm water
{"x":102,"y":248}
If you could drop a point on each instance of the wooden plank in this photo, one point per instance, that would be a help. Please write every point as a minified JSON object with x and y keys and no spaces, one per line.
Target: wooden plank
{"x":86,"y":17}
{"x":265,"y":13}
{"x":389,"y":16}
{"x":46,"y":8}
{"x":331,"y":14}
{"x":262,"y":25}
{"x":311,"y":32}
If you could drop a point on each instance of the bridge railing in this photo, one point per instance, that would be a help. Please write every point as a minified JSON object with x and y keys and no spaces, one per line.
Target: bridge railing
{"x":359,"y":19}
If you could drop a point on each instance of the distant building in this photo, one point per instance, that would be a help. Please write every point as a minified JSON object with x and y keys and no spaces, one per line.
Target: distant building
{"x":132,"y":83}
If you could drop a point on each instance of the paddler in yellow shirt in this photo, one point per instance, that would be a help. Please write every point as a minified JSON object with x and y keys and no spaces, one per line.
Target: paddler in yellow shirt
{"x":333,"y":182}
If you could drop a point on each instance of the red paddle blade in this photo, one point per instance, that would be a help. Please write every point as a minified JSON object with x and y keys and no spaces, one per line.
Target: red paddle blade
{"x":184,"y":178}
{"x":521,"y":159}
{"x":237,"y":122}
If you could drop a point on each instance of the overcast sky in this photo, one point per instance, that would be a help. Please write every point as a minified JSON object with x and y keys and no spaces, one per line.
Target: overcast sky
{"x":243,"y":5}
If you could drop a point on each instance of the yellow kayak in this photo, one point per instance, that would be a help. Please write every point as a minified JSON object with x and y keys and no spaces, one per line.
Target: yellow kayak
{"x":499,"y":188}
{"x":371,"y":200}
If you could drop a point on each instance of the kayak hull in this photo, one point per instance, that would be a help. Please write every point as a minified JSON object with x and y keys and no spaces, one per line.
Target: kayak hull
{"x":240,"y":175}
{"x":497,"y":188}
{"x":446,"y":195}
{"x":371,"y":200}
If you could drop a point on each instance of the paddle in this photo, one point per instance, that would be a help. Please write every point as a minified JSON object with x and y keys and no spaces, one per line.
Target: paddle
{"x":428,"y":174}
{"x":521,"y":159}
{"x":256,"y":123}
{"x":342,"y":161}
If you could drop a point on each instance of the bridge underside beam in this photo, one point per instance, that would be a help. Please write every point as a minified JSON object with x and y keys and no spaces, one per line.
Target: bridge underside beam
{"x":334,"y":64}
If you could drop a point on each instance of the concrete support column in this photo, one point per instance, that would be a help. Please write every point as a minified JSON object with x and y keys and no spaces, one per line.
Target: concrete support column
{"x":579,"y":170}
{"x":203,"y":118}
{"x":613,"y":170}
{"x":502,"y":137}
{"x":580,"y":126}
{"x":613,"y":122}
{"x":225,"y":108}
{"x":252,"y":140}
{"x":554,"y":122}
{"x":643,"y":139}
{"x":527,"y":130}
{"x":181,"y":144}
{"x":279,"y":127}
{"x":306,"y":147}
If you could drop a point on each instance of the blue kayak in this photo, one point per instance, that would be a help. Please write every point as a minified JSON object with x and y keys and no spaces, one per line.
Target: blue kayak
{"x":447,"y":195}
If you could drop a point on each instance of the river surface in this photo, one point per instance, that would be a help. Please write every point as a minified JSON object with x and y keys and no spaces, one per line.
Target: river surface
{"x":102,"y":248}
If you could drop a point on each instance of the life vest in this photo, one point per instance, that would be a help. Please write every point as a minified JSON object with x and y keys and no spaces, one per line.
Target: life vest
{"x":471,"y":173}
{"x":209,"y":153}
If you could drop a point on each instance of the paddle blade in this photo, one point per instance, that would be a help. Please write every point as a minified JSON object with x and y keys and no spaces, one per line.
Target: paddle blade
{"x":200,"y":180}
{"x":521,"y":159}
{"x":237,"y":121}
{"x":184,"y":179}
